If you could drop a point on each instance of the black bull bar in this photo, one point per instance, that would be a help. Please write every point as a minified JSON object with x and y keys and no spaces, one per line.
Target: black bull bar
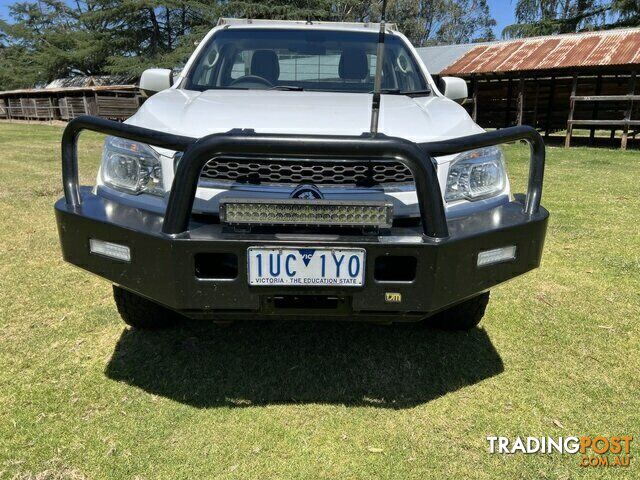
{"x":419,"y":158}
{"x":166,"y":247}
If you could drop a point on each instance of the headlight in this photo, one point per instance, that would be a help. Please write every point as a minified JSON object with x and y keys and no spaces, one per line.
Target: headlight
{"x":131,"y":166}
{"x":476,"y":174}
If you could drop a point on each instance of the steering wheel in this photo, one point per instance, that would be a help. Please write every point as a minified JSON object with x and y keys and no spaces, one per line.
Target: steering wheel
{"x":249,"y":81}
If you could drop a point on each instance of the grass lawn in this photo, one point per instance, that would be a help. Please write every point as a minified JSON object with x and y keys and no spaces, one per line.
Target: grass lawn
{"x":558,"y":354}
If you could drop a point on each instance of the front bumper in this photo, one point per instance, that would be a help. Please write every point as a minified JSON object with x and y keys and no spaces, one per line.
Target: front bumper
{"x":167,"y":248}
{"x":162,"y":267}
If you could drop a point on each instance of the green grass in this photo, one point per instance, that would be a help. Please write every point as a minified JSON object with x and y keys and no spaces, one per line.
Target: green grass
{"x":81,"y":396}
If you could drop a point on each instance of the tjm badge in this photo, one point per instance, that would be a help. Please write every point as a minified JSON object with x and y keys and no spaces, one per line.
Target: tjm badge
{"x":393,"y":297}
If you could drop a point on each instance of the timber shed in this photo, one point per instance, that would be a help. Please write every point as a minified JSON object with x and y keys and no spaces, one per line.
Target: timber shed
{"x":114,"y":97}
{"x":558,"y":84}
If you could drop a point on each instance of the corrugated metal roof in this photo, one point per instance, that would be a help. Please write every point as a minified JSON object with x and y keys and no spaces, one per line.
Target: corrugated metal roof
{"x":45,"y":91}
{"x":438,"y":58}
{"x":93,"y":81}
{"x":612,"y":47}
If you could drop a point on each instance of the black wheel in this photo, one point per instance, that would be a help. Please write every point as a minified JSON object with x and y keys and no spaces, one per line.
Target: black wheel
{"x":141,"y":313}
{"x":463,"y":316}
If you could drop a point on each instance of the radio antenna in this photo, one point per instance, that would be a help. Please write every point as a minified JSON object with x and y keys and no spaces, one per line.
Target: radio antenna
{"x":377,"y":85}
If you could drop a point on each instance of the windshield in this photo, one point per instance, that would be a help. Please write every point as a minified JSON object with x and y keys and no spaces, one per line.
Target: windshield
{"x":320,"y":60}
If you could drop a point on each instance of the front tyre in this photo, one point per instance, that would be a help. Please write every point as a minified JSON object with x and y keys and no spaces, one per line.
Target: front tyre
{"x":143,"y":314}
{"x":463,"y":316}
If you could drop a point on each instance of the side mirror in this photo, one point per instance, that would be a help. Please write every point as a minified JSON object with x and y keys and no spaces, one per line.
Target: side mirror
{"x":454,"y":88}
{"x":155,"y":80}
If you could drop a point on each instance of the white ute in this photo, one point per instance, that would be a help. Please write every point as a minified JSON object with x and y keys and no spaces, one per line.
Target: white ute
{"x":312,"y":78}
{"x":301,"y":169}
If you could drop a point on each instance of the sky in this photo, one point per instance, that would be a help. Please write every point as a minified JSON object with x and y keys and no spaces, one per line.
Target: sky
{"x":3,"y":8}
{"x":501,"y":10}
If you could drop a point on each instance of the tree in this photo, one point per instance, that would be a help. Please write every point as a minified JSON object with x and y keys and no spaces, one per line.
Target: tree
{"x":626,"y":13}
{"x":279,"y":9}
{"x":93,"y":37}
{"x":16,"y":70}
{"x":152,"y":34}
{"x":46,"y":36}
{"x":423,"y":21}
{"x":428,"y":22}
{"x":465,"y":21}
{"x":549,"y":17}
{"x":48,"y":39}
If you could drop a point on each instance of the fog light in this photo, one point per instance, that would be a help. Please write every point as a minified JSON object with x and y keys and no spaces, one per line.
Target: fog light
{"x":333,"y":213}
{"x":497,"y":255}
{"x":111,"y":250}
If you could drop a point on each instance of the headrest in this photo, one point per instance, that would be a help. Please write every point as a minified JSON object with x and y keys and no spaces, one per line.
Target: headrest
{"x":264,"y":63}
{"x":353,"y":64}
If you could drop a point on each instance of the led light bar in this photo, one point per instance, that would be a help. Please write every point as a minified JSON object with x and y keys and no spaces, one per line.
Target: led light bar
{"x":334,"y":213}
{"x":497,"y":255}
{"x":111,"y":250}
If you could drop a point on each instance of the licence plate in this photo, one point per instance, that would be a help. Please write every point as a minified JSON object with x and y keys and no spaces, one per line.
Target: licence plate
{"x":306,"y":267}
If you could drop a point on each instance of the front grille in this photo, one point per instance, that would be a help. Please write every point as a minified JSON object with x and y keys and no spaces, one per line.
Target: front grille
{"x":319,"y":173}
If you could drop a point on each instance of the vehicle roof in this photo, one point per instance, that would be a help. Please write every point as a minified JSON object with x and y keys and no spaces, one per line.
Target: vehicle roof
{"x":303,"y":24}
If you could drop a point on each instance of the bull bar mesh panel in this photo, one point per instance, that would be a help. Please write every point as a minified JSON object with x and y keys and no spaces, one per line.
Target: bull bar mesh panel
{"x":276,"y":171}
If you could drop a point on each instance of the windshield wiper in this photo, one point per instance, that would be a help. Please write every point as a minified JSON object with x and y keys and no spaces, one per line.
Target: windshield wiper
{"x":408,"y":93}
{"x":289,"y":88}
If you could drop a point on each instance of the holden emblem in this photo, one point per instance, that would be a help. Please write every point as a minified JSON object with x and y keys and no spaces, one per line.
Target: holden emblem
{"x":307,"y":192}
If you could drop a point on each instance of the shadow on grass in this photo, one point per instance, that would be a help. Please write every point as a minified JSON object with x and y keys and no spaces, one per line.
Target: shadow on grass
{"x":289,"y":362}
